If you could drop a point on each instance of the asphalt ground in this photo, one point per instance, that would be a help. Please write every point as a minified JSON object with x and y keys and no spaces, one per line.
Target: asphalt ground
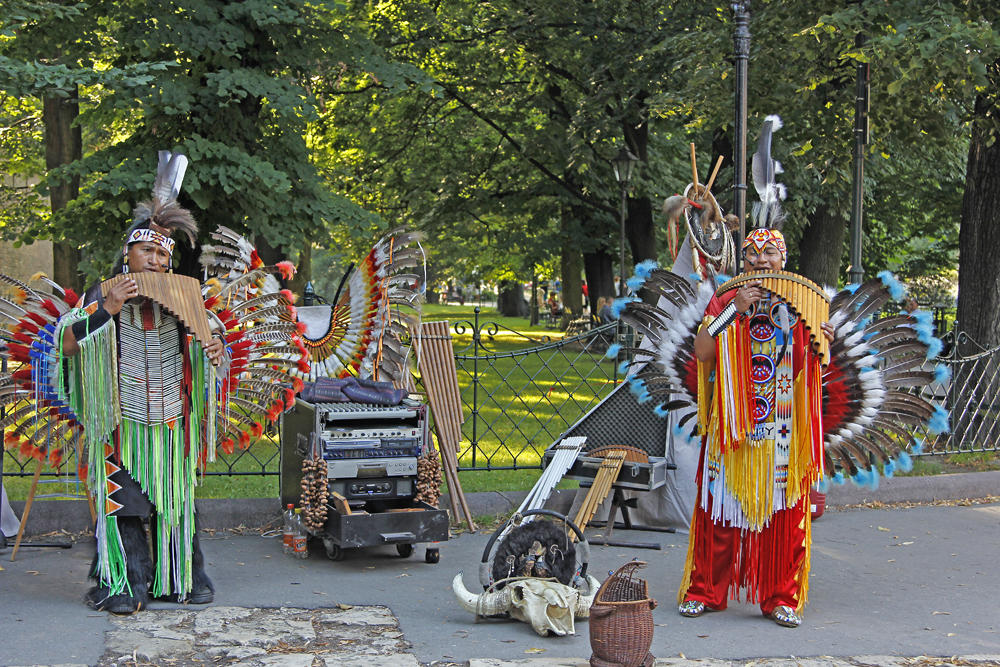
{"x":919,"y":580}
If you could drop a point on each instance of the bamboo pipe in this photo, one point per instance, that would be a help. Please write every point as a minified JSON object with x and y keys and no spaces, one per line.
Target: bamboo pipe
{"x":694,"y":170}
{"x":715,"y":172}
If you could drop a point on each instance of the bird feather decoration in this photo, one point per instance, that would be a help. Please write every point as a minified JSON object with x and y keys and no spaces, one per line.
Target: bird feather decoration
{"x":870,"y":404}
{"x":262,"y":334}
{"x":377,"y":304}
{"x":767,"y":212}
{"x":40,"y":424}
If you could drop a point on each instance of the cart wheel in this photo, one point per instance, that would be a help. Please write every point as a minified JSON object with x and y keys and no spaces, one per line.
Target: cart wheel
{"x":404,"y":550}
{"x":432,"y":556}
{"x":333,"y":551}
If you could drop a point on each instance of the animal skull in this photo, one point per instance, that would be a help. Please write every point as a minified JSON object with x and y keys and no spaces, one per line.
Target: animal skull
{"x":547,"y":605}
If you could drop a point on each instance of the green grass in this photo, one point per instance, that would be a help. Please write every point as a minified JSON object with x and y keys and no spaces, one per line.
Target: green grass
{"x":921,"y":468}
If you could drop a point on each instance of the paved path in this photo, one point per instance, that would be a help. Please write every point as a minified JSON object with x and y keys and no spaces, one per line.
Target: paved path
{"x":896,"y":583}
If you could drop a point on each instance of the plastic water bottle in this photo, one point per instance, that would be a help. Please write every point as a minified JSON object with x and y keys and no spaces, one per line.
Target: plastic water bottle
{"x":288,"y":532}
{"x":299,"y":536}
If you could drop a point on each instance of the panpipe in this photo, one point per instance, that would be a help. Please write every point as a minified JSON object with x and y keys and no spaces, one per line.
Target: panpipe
{"x":178,"y":295}
{"x":606,"y":475}
{"x":803,"y":296}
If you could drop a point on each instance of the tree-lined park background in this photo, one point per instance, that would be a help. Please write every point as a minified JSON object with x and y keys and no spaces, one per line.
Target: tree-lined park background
{"x":490,"y":125}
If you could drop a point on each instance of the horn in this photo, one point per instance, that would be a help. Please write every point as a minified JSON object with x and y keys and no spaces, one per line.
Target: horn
{"x":584,"y":602}
{"x":484,"y":604}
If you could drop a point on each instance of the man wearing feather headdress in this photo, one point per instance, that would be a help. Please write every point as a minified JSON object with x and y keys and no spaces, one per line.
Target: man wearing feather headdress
{"x":759,"y":388}
{"x":140,"y":387}
{"x":773,"y":415}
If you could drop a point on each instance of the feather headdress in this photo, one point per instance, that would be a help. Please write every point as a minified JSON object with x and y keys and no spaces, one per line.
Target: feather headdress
{"x":766,"y":213}
{"x":162,"y":210}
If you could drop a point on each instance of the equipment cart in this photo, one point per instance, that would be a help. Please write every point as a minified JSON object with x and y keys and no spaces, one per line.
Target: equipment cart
{"x":371,"y":455}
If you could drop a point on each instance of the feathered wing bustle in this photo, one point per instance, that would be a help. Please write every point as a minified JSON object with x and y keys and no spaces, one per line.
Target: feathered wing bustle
{"x":262,"y":333}
{"x":668,"y":372}
{"x":868,"y":412}
{"x":379,"y":303}
{"x":37,"y":422}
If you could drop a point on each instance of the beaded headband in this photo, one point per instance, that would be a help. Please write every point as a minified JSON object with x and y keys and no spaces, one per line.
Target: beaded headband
{"x":761,"y":237}
{"x":151,"y":236}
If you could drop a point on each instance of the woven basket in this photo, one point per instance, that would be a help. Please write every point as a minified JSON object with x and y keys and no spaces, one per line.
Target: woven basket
{"x":621,"y":620}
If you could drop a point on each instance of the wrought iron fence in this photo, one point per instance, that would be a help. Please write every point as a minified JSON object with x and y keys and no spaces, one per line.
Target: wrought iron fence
{"x":518,"y":401}
{"x":971,"y":397}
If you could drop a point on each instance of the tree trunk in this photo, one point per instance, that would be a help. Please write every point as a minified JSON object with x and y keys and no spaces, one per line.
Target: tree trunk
{"x":510,"y":299}
{"x":63,"y":145}
{"x":979,"y":236}
{"x":821,"y":248}
{"x":599,"y":268}
{"x":641,"y":235}
{"x":303,"y":271}
{"x":571,"y":265}
{"x":431,"y":294}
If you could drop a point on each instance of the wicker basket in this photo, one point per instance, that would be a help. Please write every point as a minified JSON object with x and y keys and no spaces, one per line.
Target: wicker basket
{"x":621,"y":620}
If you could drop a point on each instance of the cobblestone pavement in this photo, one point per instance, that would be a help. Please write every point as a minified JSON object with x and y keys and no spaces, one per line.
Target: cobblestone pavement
{"x":349,"y":636}
{"x":239,"y":637}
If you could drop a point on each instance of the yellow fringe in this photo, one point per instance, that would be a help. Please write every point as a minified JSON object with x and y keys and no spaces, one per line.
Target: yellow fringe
{"x":689,"y":563}
{"x":750,"y":479}
{"x":803,"y":576}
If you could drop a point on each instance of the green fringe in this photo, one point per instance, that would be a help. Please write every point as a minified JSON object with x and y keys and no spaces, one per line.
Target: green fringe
{"x":153,"y":455}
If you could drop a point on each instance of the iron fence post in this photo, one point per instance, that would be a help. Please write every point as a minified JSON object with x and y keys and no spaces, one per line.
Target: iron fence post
{"x":475,"y":383}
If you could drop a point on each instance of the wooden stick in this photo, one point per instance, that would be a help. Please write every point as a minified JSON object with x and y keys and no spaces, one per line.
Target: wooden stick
{"x":694,"y":170}
{"x":27,"y":508}
{"x":715,"y":172}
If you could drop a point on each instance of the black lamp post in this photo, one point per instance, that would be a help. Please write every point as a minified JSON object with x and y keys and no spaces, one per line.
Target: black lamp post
{"x":741,"y":51}
{"x":624,"y":164}
{"x":862,"y":100}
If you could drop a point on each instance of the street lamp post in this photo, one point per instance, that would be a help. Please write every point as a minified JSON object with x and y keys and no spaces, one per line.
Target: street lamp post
{"x":624,"y":164}
{"x":862,"y":100}
{"x":741,"y":51}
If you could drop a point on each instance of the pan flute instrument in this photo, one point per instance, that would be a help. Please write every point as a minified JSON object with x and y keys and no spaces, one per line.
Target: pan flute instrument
{"x":804,"y":297}
{"x":178,"y":295}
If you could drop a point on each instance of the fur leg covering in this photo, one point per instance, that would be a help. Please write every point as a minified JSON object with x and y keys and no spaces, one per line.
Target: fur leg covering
{"x":139,"y":568}
{"x":201,"y":585}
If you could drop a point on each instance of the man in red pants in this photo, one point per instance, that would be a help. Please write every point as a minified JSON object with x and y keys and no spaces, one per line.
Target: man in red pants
{"x":759,"y":392}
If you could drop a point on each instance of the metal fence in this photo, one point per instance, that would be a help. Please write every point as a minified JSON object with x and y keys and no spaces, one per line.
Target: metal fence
{"x":518,"y":399}
{"x":971,"y":397}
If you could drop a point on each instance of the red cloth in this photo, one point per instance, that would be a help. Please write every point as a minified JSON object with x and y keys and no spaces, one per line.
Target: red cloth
{"x":765,"y":564}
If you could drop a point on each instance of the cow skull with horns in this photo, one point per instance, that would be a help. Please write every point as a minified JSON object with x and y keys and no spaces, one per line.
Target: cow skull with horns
{"x":547,"y":605}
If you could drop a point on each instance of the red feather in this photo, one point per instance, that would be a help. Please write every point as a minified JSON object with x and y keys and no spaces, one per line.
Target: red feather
{"x":255,"y":262}
{"x":298,"y":385}
{"x":303,"y":366}
{"x":244,"y":440}
{"x":228,"y":445}
{"x":287,"y":269}
{"x":23,"y":338}
{"x":257,"y":429}
{"x":289,"y":295}
{"x":70,"y":297}
{"x":51,"y":307}
{"x":211,"y":302}
{"x":275,"y":410}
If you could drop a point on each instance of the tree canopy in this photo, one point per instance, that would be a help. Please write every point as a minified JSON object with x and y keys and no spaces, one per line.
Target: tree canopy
{"x":490,"y":124}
